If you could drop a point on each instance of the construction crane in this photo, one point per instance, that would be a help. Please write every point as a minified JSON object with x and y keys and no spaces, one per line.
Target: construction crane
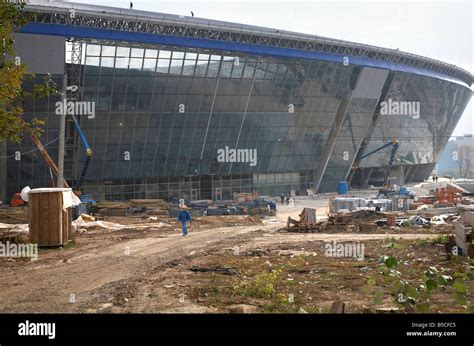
{"x":52,"y":165}
{"x":88,"y":153}
{"x":16,"y":200}
{"x":53,"y":168}
{"x":385,"y":190}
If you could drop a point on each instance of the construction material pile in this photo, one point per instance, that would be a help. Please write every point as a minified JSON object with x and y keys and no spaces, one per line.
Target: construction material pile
{"x":307,"y":222}
{"x":341,"y":204}
{"x":226,"y":221}
{"x":244,"y":196}
{"x":354,"y":216}
{"x":362,"y":220}
{"x":87,"y":222}
{"x":16,"y":233}
{"x":156,"y":207}
{"x":372,"y":221}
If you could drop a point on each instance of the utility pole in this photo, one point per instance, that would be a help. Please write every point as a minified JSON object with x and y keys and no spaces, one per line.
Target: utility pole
{"x":62,"y":132}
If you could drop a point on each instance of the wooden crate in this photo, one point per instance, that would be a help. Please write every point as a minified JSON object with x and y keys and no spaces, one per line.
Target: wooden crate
{"x":50,"y":225}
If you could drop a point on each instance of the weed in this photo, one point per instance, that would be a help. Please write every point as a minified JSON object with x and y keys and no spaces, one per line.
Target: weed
{"x":442,"y":239}
{"x":258,"y":286}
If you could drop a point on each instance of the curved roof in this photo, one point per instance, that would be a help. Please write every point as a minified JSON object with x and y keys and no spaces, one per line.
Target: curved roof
{"x":104,"y":17}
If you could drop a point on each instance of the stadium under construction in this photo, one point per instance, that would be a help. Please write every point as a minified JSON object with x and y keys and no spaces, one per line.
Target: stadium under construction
{"x":194,"y":108}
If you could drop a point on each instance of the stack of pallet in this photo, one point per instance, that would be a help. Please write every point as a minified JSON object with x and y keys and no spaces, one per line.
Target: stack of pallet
{"x":157,"y":207}
{"x":306,"y":223}
{"x":152,"y":203}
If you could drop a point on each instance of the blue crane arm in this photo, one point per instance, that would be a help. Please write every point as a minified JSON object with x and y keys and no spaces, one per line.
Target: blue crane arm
{"x":88,"y":152}
{"x":386,"y":182}
{"x":392,"y":142}
{"x":82,"y":136}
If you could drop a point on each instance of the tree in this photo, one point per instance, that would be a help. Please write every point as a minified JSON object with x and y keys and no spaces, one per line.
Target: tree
{"x":12,"y":74}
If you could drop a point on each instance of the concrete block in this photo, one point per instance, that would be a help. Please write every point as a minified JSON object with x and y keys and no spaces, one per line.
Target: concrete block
{"x":438,"y":211}
{"x":468,"y":217}
{"x":463,"y":238}
{"x":460,"y":231}
{"x":464,"y":247}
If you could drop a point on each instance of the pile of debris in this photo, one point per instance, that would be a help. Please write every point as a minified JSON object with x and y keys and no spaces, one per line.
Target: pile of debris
{"x":359,"y":220}
{"x":155,"y":207}
{"x":414,"y":220}
{"x":348,"y":204}
{"x":14,"y":233}
{"x":307,"y":222}
{"x":260,"y":211}
{"x":14,"y":214}
{"x":370,"y":221}
{"x":227,"y":221}
{"x":244,"y":197}
{"x":86,"y":223}
{"x":158,"y":207}
{"x":111,"y":208}
{"x":354,"y":216}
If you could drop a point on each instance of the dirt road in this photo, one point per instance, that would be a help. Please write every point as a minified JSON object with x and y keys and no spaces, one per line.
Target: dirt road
{"x":99,"y":266}
{"x":46,"y":285}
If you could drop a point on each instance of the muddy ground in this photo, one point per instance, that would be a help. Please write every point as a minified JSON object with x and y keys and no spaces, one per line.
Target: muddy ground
{"x":238,"y":260}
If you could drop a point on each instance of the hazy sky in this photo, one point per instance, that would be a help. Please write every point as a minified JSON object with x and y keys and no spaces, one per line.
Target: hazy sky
{"x":441,"y":30}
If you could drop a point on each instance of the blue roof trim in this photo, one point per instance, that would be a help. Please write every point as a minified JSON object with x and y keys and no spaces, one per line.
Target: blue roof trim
{"x":118,"y":35}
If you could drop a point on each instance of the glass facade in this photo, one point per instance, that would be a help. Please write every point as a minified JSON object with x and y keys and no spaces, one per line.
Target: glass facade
{"x":163,"y":114}
{"x":421,"y":140}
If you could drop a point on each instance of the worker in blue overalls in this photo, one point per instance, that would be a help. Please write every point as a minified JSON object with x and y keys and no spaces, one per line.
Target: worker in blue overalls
{"x":184,"y":216}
